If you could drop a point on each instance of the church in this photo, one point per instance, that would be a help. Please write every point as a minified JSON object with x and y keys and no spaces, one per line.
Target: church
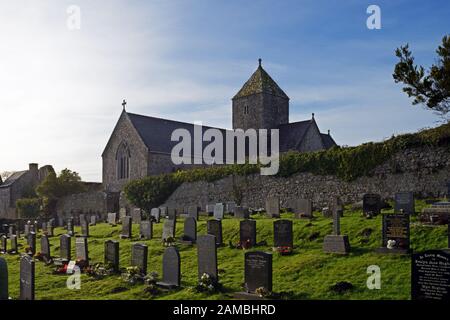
{"x":141,"y":145}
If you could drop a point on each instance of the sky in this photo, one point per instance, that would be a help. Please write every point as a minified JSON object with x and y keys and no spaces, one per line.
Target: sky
{"x":61,"y":87}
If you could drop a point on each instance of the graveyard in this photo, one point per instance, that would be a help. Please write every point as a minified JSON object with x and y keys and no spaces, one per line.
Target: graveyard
{"x":306,"y":273}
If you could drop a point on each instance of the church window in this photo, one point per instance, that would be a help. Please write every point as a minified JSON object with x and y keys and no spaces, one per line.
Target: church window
{"x":245,"y":109}
{"x":123,"y":161}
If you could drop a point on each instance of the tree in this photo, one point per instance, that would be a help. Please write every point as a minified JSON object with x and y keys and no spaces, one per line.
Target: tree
{"x":431,"y":88}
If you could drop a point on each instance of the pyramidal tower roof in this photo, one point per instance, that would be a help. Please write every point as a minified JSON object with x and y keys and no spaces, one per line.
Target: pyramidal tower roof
{"x":260,"y":82}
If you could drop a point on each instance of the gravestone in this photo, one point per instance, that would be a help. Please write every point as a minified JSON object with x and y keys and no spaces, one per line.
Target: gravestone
{"x":172,"y":213}
{"x":155,"y":213}
{"x":136,"y":215}
{"x":273,"y":207}
{"x":371,"y":204}
{"x":190,"y":230}
{"x":93,"y":220}
{"x":164,"y":211}
{"x":11,"y":230}
{"x":430,"y":276}
{"x":50,"y":229}
{"x":112,"y":254}
{"x":26,"y":230}
{"x":258,"y":271}
{"x":230,"y":206}
{"x":84,"y":228}
{"x":171,"y":274}
{"x":241,"y":212}
{"x":32,"y":243}
{"x":169,"y":229}
{"x":247,"y":233}
{"x":13,"y":240}
{"x":193,"y":212}
{"x":146,"y":229}
{"x":82,"y":219}
{"x":126,"y":228}
{"x":218,"y":211}
{"x":214,"y":227}
{"x":81,"y":249}
{"x":65,"y":246}
{"x":122,"y":213}
{"x":336,"y":243}
{"x":45,"y":247}
{"x":27,"y":277}
{"x":395,"y":234}
{"x":404,"y":201}
{"x":207,"y":257}
{"x":70,"y":227}
{"x":139,"y":253}
{"x":283,"y":234}
{"x":4,"y":244}
{"x":302,"y":208}
{"x":210,"y":209}
{"x":112,"y":218}
{"x":4,"y":294}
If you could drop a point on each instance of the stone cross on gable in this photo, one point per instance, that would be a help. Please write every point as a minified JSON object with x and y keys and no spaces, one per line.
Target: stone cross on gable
{"x":124,"y":103}
{"x":336,"y":222}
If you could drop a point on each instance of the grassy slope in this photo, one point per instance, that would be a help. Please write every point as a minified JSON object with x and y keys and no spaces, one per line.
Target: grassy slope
{"x":308,"y":273}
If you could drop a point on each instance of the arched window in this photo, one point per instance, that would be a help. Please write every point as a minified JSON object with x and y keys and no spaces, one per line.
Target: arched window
{"x":123,"y":161}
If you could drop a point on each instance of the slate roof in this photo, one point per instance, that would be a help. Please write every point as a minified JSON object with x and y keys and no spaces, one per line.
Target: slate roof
{"x":328,"y":141}
{"x":292,"y":133}
{"x":12,"y":178}
{"x":259,"y":82}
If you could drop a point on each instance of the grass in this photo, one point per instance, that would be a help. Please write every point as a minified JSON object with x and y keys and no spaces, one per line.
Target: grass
{"x":306,"y":274}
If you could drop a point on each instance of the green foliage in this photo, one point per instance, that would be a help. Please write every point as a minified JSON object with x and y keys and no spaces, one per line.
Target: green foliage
{"x":55,"y":187}
{"x":432,"y":89}
{"x":28,"y":207}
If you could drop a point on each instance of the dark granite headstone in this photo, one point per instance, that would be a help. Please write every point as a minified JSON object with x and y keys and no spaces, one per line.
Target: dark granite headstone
{"x":219,"y":209}
{"x":336,"y":243}
{"x":214,"y":227}
{"x":171,"y":275}
{"x":207,"y":256}
{"x":126,"y":227}
{"x":81,"y":249}
{"x":27,"y":277}
{"x":65,"y":245}
{"x":193,"y":212}
{"x":247,"y":232}
{"x":190,"y":230}
{"x":395,"y":234}
{"x":430,"y":275}
{"x":273,"y":207}
{"x":112,"y":254}
{"x":84,"y":228}
{"x":4,"y":294}
{"x":241,"y":212}
{"x":371,"y":204}
{"x":302,"y":208}
{"x":169,"y":229}
{"x":146,"y":229}
{"x":258,"y":271}
{"x":139,"y":255}
{"x":155,"y":213}
{"x":404,"y":201}
{"x":282,"y":234}
{"x":45,"y":247}
{"x":136,"y":215}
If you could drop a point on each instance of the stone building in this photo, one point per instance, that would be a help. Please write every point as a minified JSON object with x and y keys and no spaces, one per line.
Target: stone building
{"x":141,"y":145}
{"x":19,"y":185}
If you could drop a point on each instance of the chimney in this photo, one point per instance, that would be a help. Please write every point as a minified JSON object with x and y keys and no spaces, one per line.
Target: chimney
{"x":33,"y":167}
{"x":328,"y":131}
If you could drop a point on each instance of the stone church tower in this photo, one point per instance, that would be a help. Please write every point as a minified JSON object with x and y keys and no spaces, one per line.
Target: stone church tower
{"x":260,"y":104}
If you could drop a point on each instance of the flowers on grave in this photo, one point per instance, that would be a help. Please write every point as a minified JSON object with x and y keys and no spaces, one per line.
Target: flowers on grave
{"x":246,"y":244}
{"x":207,"y":284}
{"x":133,"y":275}
{"x":169,"y":241}
{"x":61,"y":269}
{"x":99,"y":270}
{"x":391,"y":244}
{"x":82,"y":264}
{"x":284,"y":250}
{"x":39,"y":256}
{"x":262,"y":292}
{"x":150,"y":282}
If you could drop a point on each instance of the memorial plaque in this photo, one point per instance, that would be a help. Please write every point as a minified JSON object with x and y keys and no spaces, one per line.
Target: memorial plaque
{"x":396,"y":228}
{"x":65,"y":245}
{"x":207,"y":257}
{"x":214,"y":227}
{"x":430,"y":276}
{"x":282,"y":234}
{"x":81,"y":249}
{"x":371,"y":204}
{"x":4,"y":294}
{"x":155,"y":213}
{"x":84,"y":228}
{"x":241,"y":212}
{"x":172,"y":213}
{"x":404,"y":201}
{"x":230,"y":207}
{"x":218,"y":211}
{"x":112,"y":218}
{"x":273,"y":207}
{"x":139,"y":253}
{"x":4,"y":244}
{"x":112,"y":254}
{"x":136,"y":216}
{"x":258,"y":271}
{"x":13,"y":240}
{"x":146,"y":229}
{"x":302,"y":208}
{"x":27,"y":277}
{"x":126,"y":228}
{"x":190,"y":230}
{"x":169,"y":229}
{"x":45,"y":247}
{"x":247,"y":232}
{"x":193,"y":212}
{"x":171,"y":275}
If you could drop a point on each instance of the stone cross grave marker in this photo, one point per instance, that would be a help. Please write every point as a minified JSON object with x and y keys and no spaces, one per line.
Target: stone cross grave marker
{"x":139,"y":253}
{"x":430,"y":276}
{"x":4,"y":294}
{"x":302,"y":208}
{"x":241,"y":212}
{"x":171,"y":275}
{"x":136,"y":215}
{"x":146,"y":229}
{"x":193,"y":212}
{"x":112,"y":254}
{"x":371,"y":204}
{"x":169,"y":229}
{"x":273,"y":207}
{"x":218,"y":211}
{"x":336,"y":243}
{"x":27,"y":278}
{"x":126,"y":228}
{"x":155,"y":213}
{"x":395,"y":234}
{"x":214,"y":227}
{"x":404,"y":201}
{"x":247,"y":233}
{"x":207,"y":257}
{"x":81,"y":249}
{"x":190,"y":230}
{"x":258,"y":271}
{"x":65,"y":246}
{"x":282,"y":234}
